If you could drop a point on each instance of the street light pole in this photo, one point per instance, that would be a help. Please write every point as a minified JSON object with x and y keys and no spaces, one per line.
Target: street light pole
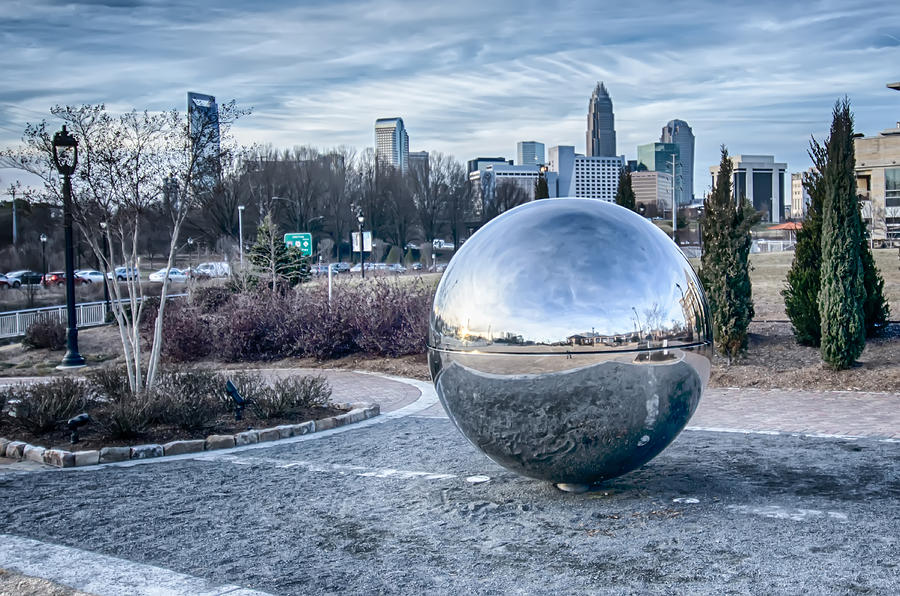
{"x":43,"y":255}
{"x":241,"y":232}
{"x":362,"y":257}
{"x":103,"y":227}
{"x":65,"y":156}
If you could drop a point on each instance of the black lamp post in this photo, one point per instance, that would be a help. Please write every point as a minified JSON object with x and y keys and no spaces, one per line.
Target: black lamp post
{"x":43,"y":255}
{"x":362,"y":258}
{"x":65,"y":156}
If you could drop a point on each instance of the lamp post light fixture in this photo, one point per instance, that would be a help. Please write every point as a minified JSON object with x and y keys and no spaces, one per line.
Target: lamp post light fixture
{"x":44,"y":254}
{"x":190,"y":242}
{"x":241,"y":233}
{"x":362,"y":257}
{"x":65,"y":157}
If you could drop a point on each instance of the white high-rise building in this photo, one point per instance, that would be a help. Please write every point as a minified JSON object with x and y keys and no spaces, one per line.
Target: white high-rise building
{"x":595,"y":177}
{"x":529,"y":153}
{"x":680,"y":134}
{"x":392,"y":143}
{"x":485,"y":181}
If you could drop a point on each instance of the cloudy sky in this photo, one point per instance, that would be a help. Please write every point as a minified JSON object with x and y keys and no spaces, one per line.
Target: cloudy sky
{"x":468,"y":77}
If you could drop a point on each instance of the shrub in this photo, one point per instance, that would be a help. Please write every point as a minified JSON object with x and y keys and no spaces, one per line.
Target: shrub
{"x":127,"y":416}
{"x":186,"y":333}
{"x":256,"y":326}
{"x":209,"y":298}
{"x":45,"y":332}
{"x":289,"y":395}
{"x":109,"y":383}
{"x":390,"y":318}
{"x":40,"y":407}
{"x":189,"y":399}
{"x":325,"y":330}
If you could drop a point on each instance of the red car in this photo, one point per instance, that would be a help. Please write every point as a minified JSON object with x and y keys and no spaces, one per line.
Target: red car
{"x":55,"y":278}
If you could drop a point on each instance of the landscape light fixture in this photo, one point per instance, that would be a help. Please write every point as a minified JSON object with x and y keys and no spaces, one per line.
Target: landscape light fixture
{"x":239,"y":401}
{"x":75,"y":423}
{"x":65,"y":157}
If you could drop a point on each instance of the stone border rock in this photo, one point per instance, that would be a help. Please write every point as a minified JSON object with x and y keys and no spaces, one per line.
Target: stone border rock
{"x":357,"y":412}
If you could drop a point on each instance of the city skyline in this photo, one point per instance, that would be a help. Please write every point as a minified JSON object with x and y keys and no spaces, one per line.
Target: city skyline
{"x":464,"y":84}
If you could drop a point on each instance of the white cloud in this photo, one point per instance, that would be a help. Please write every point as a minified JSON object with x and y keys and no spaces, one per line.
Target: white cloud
{"x":469,"y":78}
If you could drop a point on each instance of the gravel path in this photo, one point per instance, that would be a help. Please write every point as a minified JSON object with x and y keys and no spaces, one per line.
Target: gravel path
{"x":388,"y":509}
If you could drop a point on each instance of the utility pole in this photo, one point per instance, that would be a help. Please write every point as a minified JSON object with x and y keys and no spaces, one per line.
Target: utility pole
{"x":674,"y":204}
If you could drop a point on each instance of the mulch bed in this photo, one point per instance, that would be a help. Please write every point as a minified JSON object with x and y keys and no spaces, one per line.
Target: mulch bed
{"x":91,"y":437}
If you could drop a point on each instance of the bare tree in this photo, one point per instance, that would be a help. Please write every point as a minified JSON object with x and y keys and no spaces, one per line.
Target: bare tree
{"x":127,"y":163}
{"x":460,"y":199}
{"x":506,"y":196}
{"x":431,"y":192}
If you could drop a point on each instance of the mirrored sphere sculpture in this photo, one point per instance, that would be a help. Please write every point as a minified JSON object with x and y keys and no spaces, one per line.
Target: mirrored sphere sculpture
{"x":570,"y":340}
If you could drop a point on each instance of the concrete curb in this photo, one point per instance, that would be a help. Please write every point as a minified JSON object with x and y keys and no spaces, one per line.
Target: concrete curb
{"x":356,"y":412}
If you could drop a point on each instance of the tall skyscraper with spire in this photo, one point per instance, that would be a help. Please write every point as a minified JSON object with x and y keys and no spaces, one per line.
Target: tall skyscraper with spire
{"x":679,"y":133}
{"x":601,"y":125}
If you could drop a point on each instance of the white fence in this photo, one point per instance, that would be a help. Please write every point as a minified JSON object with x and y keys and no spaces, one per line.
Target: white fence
{"x":763,"y":245}
{"x":88,"y":314}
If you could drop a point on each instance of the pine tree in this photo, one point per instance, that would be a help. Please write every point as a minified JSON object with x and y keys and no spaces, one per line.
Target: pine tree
{"x":625,"y":192}
{"x":276,"y":261}
{"x":541,"y":190}
{"x":842,"y":295}
{"x":801,"y":296}
{"x":725,"y":267}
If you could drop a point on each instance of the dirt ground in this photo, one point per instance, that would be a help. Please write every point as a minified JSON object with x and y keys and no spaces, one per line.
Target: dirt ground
{"x":773,"y":359}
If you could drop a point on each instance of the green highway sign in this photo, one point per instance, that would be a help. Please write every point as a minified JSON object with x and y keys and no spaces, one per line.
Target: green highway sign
{"x":301,"y":240}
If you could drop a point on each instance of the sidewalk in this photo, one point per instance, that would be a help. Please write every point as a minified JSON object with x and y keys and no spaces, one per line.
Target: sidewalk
{"x":840,"y":413}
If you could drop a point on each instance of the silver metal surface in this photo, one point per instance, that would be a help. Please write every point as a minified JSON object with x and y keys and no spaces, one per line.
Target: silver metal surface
{"x":570,"y":340}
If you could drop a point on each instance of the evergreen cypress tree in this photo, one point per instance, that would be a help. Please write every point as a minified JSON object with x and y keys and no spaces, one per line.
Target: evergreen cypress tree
{"x":875,"y":307}
{"x":801,"y":296}
{"x":625,"y":192}
{"x":541,"y":190}
{"x":725,"y":267}
{"x":277,"y":261}
{"x":842,"y":294}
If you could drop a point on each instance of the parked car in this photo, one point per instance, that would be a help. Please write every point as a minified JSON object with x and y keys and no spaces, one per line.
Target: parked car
{"x":417,"y":266}
{"x":212,"y":270}
{"x":55,"y":278}
{"x":89,"y":276}
{"x":23,"y":277}
{"x":123,"y":273}
{"x":341,"y":267}
{"x":4,"y":282}
{"x":356,"y":268}
{"x":175,"y":275}
{"x":397,"y":268}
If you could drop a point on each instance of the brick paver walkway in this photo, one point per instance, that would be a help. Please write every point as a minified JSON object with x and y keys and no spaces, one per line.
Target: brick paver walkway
{"x":851,"y":413}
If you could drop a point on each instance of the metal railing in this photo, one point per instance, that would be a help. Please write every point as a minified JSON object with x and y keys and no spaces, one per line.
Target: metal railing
{"x":87,"y":314}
